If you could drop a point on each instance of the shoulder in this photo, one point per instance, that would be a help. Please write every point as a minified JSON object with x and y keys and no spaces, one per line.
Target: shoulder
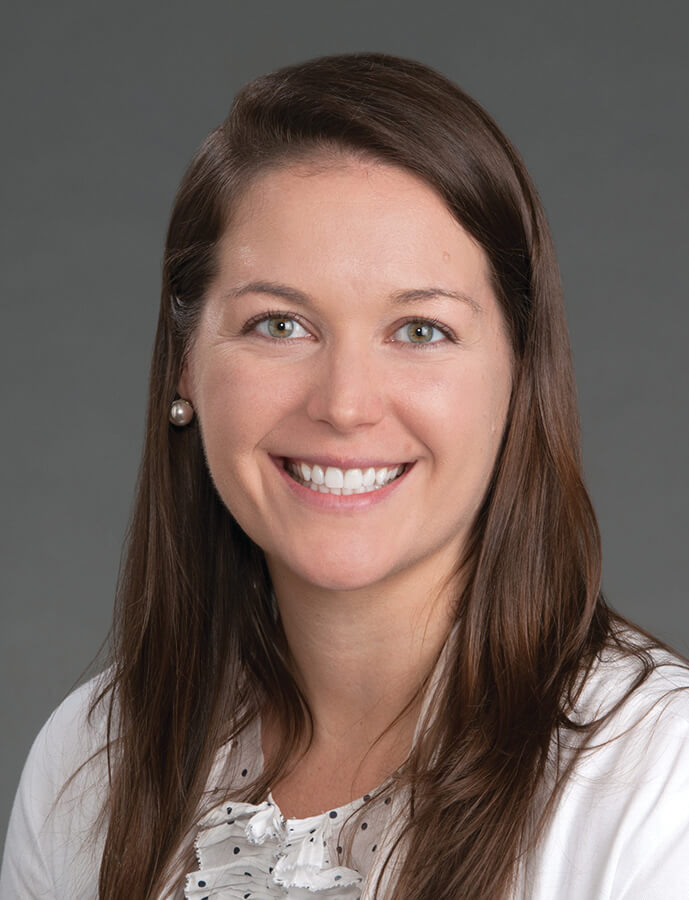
{"x":636,"y":689}
{"x":52,"y":837}
{"x":642,"y":702}
{"x":67,"y":743}
{"x":620,"y":829}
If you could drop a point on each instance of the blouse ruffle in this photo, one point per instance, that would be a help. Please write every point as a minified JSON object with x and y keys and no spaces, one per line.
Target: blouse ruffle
{"x":250,"y":852}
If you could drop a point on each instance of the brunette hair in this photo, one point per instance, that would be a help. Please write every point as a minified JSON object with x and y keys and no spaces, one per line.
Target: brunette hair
{"x":198,"y":649}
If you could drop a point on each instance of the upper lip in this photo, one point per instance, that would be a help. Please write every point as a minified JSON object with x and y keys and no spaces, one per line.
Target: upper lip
{"x":339,"y":462}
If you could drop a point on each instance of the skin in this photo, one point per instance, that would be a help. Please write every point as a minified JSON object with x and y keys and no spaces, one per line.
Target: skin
{"x":365,"y":591}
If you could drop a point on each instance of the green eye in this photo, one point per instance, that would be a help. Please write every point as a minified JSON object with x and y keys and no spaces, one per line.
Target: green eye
{"x":281,"y":327}
{"x":419,"y":332}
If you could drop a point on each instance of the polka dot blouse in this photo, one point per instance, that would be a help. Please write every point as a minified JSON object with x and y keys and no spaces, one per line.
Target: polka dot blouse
{"x":252,"y":852}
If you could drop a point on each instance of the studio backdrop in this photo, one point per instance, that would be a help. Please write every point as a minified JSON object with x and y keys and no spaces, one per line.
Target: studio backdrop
{"x":103,"y":107}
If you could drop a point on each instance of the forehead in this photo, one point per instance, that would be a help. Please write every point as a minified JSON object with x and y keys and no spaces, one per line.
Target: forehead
{"x":328,"y":188}
{"x":366,"y":224}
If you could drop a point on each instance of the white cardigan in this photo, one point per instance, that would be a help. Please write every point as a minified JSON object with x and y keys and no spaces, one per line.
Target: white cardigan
{"x":619,"y":832}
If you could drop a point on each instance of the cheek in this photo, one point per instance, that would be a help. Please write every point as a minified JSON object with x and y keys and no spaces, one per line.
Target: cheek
{"x":240,"y":401}
{"x":224,"y":400}
{"x":460,"y":416}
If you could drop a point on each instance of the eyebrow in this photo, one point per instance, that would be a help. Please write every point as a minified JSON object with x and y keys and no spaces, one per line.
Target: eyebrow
{"x":413,"y":295}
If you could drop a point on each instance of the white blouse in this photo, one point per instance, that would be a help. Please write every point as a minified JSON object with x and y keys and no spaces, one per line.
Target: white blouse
{"x":251,"y":851}
{"x":620,"y":830}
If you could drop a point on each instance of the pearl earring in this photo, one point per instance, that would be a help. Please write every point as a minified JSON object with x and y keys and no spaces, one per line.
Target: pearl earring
{"x":181,"y":413}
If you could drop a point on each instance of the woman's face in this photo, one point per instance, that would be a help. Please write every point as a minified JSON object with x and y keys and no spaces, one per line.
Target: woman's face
{"x":351,"y":336}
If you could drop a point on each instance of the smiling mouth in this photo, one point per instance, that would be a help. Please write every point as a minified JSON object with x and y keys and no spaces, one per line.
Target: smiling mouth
{"x":331,"y":480}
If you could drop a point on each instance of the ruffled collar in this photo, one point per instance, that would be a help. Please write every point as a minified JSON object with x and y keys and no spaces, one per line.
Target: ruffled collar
{"x":249,"y":850}
{"x":252,"y":852}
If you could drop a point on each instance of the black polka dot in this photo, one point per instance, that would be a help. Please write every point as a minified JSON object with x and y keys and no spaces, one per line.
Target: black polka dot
{"x":311,"y":830}
{"x":367,"y":797}
{"x":364,"y":826}
{"x":236,"y":850}
{"x":247,"y":895}
{"x":337,"y":877}
{"x":339,"y":849}
{"x":229,"y":810}
{"x":248,"y":874}
{"x":202,"y":883}
{"x":270,"y":868}
{"x":230,"y":821}
{"x":374,"y":848}
{"x":310,"y":840}
{"x":244,"y":772}
{"x":333,"y":814}
{"x":387,"y":800}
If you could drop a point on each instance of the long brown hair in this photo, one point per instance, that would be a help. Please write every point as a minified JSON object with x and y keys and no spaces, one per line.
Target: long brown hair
{"x":197,"y":646}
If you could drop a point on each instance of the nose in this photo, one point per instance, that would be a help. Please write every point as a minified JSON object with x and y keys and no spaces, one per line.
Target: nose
{"x":347,"y":391}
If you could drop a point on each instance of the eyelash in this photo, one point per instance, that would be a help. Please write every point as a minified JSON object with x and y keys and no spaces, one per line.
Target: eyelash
{"x":279,"y":314}
{"x":265,"y":317}
{"x":434,"y":323}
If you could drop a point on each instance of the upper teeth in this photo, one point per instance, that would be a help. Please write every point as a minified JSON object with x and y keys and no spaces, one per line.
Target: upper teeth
{"x":347,"y":481}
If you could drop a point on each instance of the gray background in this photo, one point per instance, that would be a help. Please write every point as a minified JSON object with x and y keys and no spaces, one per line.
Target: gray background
{"x":103,"y":106}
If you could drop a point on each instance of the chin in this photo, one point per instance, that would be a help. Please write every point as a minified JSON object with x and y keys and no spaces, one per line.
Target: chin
{"x":343,"y":584}
{"x":341,"y":575}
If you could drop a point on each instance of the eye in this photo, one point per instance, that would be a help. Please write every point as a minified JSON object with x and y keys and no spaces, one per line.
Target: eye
{"x":421,"y":331}
{"x":280,"y":327}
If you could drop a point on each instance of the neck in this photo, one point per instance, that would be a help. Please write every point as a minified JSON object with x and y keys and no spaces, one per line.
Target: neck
{"x":360,"y":657}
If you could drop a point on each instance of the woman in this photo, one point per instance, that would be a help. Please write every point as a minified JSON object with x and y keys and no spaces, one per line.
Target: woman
{"x":361,"y":649}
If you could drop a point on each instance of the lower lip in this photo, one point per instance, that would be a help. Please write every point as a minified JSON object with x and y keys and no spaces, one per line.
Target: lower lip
{"x":340,"y":502}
